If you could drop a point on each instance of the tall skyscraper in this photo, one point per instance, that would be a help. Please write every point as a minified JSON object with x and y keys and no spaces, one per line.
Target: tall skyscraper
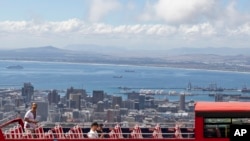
{"x":27,"y":92}
{"x":142,"y":98}
{"x":116,"y":100}
{"x":182,"y":102}
{"x":53,"y":97}
{"x":98,"y":96}
{"x":77,"y":99}
{"x":72,"y":90}
{"x":42,"y":110}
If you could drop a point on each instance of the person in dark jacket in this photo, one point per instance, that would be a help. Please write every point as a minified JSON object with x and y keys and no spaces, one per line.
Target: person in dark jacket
{"x":100,"y":130}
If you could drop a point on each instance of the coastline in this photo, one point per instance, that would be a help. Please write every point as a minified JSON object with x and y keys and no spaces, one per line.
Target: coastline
{"x":132,"y":65}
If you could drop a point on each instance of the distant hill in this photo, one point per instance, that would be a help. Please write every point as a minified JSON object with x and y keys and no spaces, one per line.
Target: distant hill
{"x":43,"y":49}
{"x":97,"y":49}
{"x":210,"y":50}
{"x":46,"y":50}
{"x":49,"y":53}
{"x":45,"y":53}
{"x":123,"y":52}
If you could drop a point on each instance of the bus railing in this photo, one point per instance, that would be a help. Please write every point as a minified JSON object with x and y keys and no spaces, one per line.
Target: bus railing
{"x":73,"y":136}
{"x":75,"y":132}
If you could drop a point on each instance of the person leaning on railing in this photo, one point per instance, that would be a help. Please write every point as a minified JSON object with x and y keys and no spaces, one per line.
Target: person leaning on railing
{"x":100,"y":132}
{"x":30,"y":119}
{"x":93,"y":134}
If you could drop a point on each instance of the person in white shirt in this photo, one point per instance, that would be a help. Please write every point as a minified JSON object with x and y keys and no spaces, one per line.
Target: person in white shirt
{"x":93,"y":131}
{"x":30,"y":122}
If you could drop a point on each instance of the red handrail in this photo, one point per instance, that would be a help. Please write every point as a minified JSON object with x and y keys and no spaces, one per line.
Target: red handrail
{"x":19,"y":120}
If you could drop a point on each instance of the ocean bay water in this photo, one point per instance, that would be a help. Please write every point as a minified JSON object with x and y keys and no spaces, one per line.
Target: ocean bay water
{"x":60,"y":76}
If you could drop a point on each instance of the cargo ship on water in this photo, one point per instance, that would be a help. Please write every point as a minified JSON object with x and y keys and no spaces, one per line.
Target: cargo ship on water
{"x":18,"y":67}
{"x":245,"y":89}
{"x":213,"y":88}
{"x":117,"y":76}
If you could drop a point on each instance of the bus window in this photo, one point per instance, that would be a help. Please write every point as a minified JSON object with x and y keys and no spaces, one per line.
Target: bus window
{"x":217,"y":127}
{"x":240,"y":120}
{"x":217,"y":120}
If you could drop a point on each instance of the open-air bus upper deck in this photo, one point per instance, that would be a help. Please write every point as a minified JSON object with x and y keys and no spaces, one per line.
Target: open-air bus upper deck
{"x":212,"y":123}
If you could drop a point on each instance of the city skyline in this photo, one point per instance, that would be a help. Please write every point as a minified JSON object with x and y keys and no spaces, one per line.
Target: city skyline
{"x":150,"y":25}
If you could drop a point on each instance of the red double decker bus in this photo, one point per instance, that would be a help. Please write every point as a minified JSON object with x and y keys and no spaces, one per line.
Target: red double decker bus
{"x":212,"y":123}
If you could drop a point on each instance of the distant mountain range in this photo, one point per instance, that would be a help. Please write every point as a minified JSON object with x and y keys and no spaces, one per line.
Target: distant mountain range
{"x":93,"y":50}
{"x":210,"y":50}
{"x":123,"y":52}
{"x":47,"y":49}
{"x":206,"y":58}
{"x":101,"y":54}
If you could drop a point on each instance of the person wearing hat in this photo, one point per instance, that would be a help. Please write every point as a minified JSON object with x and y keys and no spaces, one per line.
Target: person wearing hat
{"x":93,"y":131}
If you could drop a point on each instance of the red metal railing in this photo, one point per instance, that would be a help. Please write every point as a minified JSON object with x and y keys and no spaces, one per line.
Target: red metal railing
{"x":76,"y":133}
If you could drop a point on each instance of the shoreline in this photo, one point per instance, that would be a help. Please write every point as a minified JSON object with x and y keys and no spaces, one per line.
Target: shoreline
{"x":124,"y":65}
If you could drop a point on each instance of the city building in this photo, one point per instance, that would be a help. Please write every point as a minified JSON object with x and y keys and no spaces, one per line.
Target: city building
{"x":110,"y":115}
{"x":72,"y":90}
{"x":76,"y":114}
{"x":27,"y":92}
{"x":77,"y":99}
{"x":113,"y":115}
{"x":107,"y":103}
{"x":71,"y":104}
{"x":124,"y":111}
{"x":182,"y":102}
{"x":9,"y":107}
{"x":42,"y":110}
{"x":137,"y":105}
{"x":99,"y":116}
{"x":116,"y":100}
{"x":97,"y":96}
{"x":140,"y":108}
{"x":149,"y":101}
{"x":142,"y":99}
{"x":130,"y":104}
{"x":54,"y":117}
{"x":100,"y":107}
{"x":53,"y":97}
{"x":133,"y":95}
{"x":19,"y":101}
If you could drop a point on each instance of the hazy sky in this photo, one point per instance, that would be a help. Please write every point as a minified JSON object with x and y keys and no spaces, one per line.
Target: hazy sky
{"x":149,"y":24}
